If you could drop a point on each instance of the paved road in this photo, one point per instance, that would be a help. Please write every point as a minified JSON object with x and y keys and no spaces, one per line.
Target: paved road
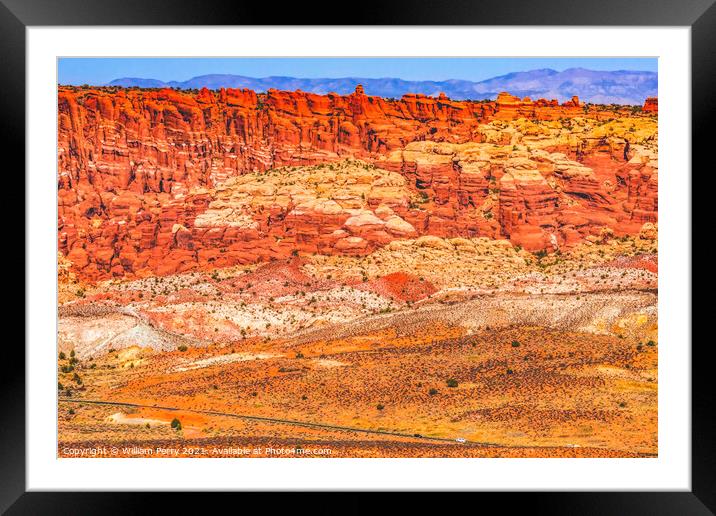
{"x":311,"y":425}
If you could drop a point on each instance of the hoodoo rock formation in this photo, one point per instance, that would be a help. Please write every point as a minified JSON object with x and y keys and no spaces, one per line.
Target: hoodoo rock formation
{"x":163,"y":181}
{"x":651,"y":105}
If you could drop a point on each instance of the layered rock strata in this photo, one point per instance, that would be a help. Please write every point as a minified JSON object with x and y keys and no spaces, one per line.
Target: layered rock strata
{"x":162,"y":181}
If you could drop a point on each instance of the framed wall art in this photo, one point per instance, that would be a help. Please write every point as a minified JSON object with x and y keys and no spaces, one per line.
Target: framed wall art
{"x":426,"y":251}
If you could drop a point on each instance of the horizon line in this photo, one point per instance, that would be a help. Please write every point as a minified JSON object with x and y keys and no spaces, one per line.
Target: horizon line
{"x":298,"y":90}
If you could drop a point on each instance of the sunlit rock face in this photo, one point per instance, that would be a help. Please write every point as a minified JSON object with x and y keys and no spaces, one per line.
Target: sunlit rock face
{"x":164,"y":181}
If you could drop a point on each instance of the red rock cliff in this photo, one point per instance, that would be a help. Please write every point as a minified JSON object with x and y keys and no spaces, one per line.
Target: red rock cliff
{"x":137,"y":167}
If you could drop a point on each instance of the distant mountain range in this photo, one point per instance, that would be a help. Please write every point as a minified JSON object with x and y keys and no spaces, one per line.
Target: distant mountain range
{"x":599,"y":87}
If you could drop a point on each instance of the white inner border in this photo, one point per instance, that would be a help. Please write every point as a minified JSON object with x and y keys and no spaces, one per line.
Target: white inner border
{"x":671,"y":470}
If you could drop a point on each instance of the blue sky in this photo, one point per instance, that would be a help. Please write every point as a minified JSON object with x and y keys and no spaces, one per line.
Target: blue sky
{"x":98,"y":71}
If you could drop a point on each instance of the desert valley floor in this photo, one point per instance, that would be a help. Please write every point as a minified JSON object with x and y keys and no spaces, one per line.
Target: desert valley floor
{"x":553,"y":358}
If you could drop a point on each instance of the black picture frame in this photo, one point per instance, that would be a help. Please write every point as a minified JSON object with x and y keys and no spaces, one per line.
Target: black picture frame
{"x":16,"y":15}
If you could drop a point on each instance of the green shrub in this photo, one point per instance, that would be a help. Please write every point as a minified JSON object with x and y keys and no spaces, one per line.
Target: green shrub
{"x":176,"y":424}
{"x":380,"y":407}
{"x":433,"y":392}
{"x":515,"y":343}
{"x":452,"y":382}
{"x":182,"y":348}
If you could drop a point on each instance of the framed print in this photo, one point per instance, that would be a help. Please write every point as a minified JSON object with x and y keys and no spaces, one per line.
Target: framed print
{"x":419,"y":258}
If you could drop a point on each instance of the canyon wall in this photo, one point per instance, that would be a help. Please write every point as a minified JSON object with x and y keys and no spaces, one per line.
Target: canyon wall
{"x":147,"y":179}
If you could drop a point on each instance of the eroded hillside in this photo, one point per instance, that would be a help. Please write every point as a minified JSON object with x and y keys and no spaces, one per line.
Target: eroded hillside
{"x":162,"y":181}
